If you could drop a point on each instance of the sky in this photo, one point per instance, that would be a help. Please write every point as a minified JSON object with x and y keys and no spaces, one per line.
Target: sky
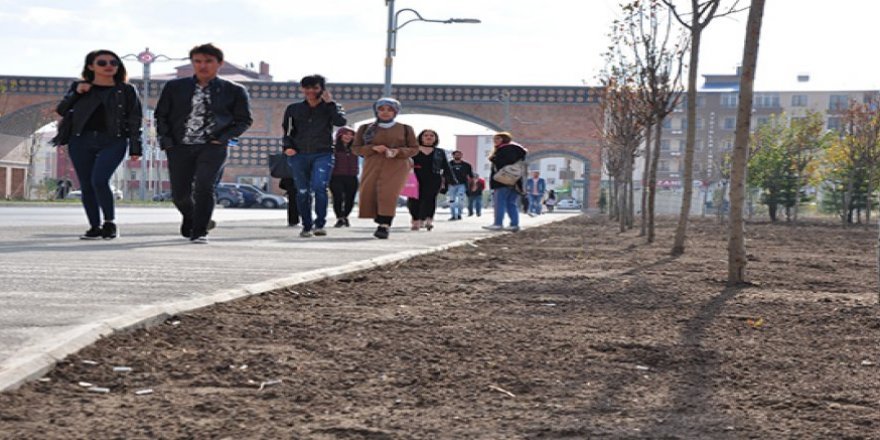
{"x":519,"y":42}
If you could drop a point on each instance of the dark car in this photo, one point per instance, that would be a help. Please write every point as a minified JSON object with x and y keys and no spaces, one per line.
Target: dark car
{"x":228,"y":197}
{"x":254,"y":196}
{"x":164,"y":196}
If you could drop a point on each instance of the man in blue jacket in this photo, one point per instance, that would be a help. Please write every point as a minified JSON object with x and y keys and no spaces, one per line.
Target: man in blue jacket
{"x":197,"y":119}
{"x":535,"y":188}
{"x":308,"y":144}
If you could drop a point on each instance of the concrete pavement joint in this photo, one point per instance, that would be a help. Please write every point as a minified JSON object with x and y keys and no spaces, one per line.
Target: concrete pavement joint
{"x":37,"y":361}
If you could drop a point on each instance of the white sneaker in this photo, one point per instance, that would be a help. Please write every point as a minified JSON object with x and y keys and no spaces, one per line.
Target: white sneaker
{"x":493,"y":228}
{"x":512,"y":228}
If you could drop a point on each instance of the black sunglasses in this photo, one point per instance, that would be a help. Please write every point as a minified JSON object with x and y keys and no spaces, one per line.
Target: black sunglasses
{"x":103,"y":63}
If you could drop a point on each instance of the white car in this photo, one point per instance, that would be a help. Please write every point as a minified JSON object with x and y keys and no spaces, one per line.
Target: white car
{"x":568,"y":204}
{"x":117,"y":193}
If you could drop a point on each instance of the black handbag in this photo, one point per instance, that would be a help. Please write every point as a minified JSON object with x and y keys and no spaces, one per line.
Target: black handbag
{"x":64,"y":130}
{"x":278,"y":167}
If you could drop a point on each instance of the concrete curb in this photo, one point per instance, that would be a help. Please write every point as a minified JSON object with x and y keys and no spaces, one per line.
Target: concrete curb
{"x":36,"y":361}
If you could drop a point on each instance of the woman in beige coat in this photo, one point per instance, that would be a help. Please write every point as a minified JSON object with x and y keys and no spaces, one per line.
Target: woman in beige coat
{"x":386,"y":146}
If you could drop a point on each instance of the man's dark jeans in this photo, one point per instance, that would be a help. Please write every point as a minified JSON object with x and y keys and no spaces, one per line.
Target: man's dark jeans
{"x":193,"y":171}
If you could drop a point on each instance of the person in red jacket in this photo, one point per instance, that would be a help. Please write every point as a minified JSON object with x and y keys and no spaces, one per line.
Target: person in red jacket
{"x":343,"y":180}
{"x":475,"y":195}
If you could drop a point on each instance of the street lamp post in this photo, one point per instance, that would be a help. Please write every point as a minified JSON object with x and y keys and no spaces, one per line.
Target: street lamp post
{"x":393,"y":27}
{"x":146,"y":58}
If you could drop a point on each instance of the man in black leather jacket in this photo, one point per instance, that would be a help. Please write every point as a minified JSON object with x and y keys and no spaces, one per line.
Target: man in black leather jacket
{"x":197,"y":119}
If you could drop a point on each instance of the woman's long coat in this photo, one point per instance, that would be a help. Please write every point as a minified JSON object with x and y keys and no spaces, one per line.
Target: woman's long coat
{"x":383,"y":177}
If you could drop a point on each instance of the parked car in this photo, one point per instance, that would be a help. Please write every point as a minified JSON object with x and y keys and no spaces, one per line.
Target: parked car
{"x":228,"y":197}
{"x":254,"y":196}
{"x":568,"y":204}
{"x":117,"y":193}
{"x":164,"y":196}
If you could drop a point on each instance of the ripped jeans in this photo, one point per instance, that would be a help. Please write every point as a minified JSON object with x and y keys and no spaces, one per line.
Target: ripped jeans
{"x":311,"y":173}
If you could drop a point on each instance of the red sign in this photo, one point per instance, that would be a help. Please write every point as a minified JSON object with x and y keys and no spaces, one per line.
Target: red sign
{"x":146,"y":57}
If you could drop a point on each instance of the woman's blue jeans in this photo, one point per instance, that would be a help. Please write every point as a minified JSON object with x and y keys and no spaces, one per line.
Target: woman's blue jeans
{"x":504,"y":199}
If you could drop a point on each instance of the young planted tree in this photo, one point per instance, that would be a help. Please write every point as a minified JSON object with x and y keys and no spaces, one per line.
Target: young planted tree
{"x":736,"y":244}
{"x":621,"y":136}
{"x":701,"y":13}
{"x":648,"y":36}
{"x":806,"y":142}
{"x":851,"y":165}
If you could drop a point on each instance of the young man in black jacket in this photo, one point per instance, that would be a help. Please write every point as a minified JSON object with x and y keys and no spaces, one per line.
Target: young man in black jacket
{"x":308,"y":144}
{"x":197,"y":119}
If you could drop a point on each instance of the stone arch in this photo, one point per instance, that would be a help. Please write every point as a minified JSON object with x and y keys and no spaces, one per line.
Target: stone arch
{"x":544,"y":154}
{"x":24,"y":121}
{"x":363,"y":113}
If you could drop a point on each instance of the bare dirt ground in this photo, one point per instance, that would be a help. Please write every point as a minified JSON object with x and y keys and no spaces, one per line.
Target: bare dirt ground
{"x":569,"y":331}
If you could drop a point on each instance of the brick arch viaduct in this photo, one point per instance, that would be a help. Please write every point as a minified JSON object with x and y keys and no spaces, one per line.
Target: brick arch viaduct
{"x":550,"y":121}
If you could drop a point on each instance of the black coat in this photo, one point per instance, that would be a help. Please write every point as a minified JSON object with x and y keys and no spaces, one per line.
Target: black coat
{"x":229,"y":104}
{"x":309,"y":129}
{"x":122,"y":108}
{"x":506,"y":155}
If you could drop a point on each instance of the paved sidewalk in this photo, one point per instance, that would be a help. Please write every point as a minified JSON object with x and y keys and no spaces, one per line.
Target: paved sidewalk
{"x":59,"y":294}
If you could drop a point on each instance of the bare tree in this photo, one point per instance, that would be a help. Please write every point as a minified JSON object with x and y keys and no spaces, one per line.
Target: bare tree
{"x":657,"y":49}
{"x":736,"y":246}
{"x":701,"y":14}
{"x":622,"y":134}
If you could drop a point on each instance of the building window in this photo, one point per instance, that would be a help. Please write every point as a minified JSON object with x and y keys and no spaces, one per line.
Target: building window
{"x":838,"y":102}
{"x":551,"y":167}
{"x":663,"y":165}
{"x":766,"y":100}
{"x":684,"y":124}
{"x":664,"y":145}
{"x":798,"y":100}
{"x":729,"y":123}
{"x":682,"y":145}
{"x":667,"y":123}
{"x":729,"y":100}
{"x":762,"y":120}
{"x":834,"y":123}
{"x":551,"y":181}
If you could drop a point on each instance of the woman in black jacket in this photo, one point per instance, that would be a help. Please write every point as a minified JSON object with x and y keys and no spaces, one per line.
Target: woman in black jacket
{"x":105,"y":117}
{"x":504,"y":196}
{"x":430,"y":166}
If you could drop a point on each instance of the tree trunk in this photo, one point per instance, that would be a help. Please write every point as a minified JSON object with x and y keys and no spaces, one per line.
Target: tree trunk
{"x":612,"y":200}
{"x":621,"y":204}
{"x":736,"y":248}
{"x":868,"y":200}
{"x":687,"y":181}
{"x":652,"y":179}
{"x":645,"y":181}
{"x":630,"y":192}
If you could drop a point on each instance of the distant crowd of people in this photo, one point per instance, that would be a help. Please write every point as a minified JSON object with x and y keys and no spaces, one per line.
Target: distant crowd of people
{"x":199,"y":118}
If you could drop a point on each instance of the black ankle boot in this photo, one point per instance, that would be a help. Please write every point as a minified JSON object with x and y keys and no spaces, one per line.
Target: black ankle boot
{"x":109,"y":231}
{"x":381,"y":232}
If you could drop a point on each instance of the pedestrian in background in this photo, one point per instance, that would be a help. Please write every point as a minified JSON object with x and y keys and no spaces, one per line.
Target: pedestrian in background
{"x":308,"y":144}
{"x":551,"y":200}
{"x":535,"y":188}
{"x":475,"y":195}
{"x":458,"y":182}
{"x":504,"y":196}
{"x":344,"y":180}
{"x":105,"y":117}
{"x":197,"y":119}
{"x":386,"y":146}
{"x":289,"y":187}
{"x":430,"y":165}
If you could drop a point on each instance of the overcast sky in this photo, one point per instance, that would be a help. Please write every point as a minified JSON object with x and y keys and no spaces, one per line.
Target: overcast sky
{"x":550,"y":42}
{"x":520,"y":42}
